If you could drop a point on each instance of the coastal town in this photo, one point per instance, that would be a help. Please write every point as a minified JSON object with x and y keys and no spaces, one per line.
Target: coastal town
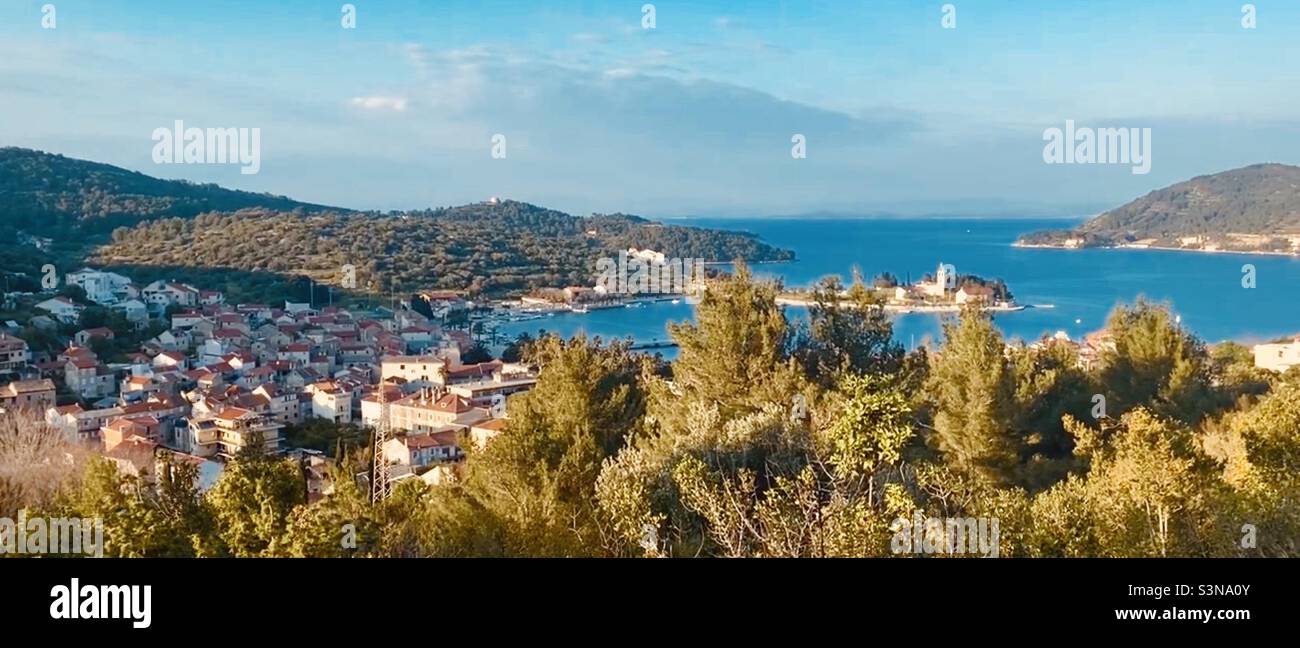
{"x":635,"y":277}
{"x":207,"y":379}
{"x":1285,"y":244}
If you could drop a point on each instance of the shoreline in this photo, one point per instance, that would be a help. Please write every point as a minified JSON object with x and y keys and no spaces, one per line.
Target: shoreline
{"x":1163,"y":248}
{"x":1247,"y":340}
{"x":904,"y":310}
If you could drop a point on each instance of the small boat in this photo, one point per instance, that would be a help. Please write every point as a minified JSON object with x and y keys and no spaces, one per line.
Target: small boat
{"x":677,"y":301}
{"x":581,"y":309}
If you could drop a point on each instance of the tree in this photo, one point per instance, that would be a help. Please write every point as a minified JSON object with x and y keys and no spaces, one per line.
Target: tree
{"x":325,"y":435}
{"x":1049,"y":386}
{"x":871,"y":427}
{"x":765,"y":483}
{"x":187,"y":513}
{"x":36,"y":461}
{"x":142,"y":517}
{"x":443,"y":521}
{"x":74,"y":292}
{"x":660,"y":486}
{"x":736,"y":354}
{"x":1266,"y":476}
{"x":1149,"y":491}
{"x":848,"y":332}
{"x":253,"y":499}
{"x":1234,"y":366}
{"x":475,"y":355}
{"x":341,"y":525}
{"x":972,"y":390}
{"x":538,"y":477}
{"x":1155,"y":362}
{"x":516,"y":348}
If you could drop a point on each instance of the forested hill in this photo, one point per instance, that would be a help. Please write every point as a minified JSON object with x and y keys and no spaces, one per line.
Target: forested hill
{"x":52,"y":195}
{"x":184,"y":230}
{"x":507,"y":247}
{"x":611,"y":231}
{"x":1254,"y":208}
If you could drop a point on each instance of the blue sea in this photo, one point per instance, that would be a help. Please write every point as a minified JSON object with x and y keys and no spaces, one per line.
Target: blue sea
{"x":1069,"y":290}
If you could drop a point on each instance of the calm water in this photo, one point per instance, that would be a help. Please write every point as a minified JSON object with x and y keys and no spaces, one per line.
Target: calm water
{"x":1083,"y":285}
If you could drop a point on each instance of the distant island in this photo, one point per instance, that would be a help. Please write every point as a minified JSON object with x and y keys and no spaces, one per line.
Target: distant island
{"x":264,"y":248}
{"x":1254,"y":209}
{"x":943,"y":292}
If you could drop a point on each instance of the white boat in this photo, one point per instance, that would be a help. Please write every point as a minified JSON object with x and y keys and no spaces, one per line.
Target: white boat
{"x":677,"y":301}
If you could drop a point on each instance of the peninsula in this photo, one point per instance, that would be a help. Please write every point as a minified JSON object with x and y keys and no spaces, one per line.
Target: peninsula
{"x":1254,"y":210}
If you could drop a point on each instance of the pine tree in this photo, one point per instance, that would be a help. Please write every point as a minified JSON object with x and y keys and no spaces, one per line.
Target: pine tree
{"x":252,"y":501}
{"x":538,"y":477}
{"x":1157,"y":363}
{"x":972,"y":390}
{"x":736,"y":354}
{"x":848,"y":333}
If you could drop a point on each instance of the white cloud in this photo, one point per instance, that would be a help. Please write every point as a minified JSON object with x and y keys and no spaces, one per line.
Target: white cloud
{"x":395,"y":104}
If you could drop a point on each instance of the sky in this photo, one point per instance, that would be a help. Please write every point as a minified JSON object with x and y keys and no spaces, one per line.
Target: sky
{"x":696,"y":116}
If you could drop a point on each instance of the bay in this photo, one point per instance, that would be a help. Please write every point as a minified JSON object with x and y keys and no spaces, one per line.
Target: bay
{"x":1069,"y":290}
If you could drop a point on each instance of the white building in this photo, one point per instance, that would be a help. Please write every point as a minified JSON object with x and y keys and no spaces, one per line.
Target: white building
{"x":943,"y":280}
{"x":419,"y":450}
{"x":422,"y":370}
{"x":424,"y":412}
{"x":974,"y":294}
{"x":229,"y":431}
{"x":103,"y":288}
{"x":284,"y":407}
{"x":74,"y":420}
{"x":331,"y":401}
{"x":161,"y":294}
{"x":63,"y":309}
{"x":1278,"y":357}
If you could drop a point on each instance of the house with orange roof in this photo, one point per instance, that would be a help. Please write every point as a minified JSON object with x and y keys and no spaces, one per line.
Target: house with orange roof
{"x":28,"y":395}
{"x":228,"y":432}
{"x":483,"y":431}
{"x":171,"y":360}
{"x":118,"y":430}
{"x":84,"y":336}
{"x":426,"y":411}
{"x":88,"y":379}
{"x":331,"y":400}
{"x":420,"y":450}
{"x":161,"y":294}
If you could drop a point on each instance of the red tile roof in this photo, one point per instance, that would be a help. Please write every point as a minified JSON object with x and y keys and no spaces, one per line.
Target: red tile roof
{"x":454,"y":404}
{"x":234,"y":413}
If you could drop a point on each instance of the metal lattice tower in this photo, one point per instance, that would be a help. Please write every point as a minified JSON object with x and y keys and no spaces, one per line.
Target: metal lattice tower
{"x":379,"y":487}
